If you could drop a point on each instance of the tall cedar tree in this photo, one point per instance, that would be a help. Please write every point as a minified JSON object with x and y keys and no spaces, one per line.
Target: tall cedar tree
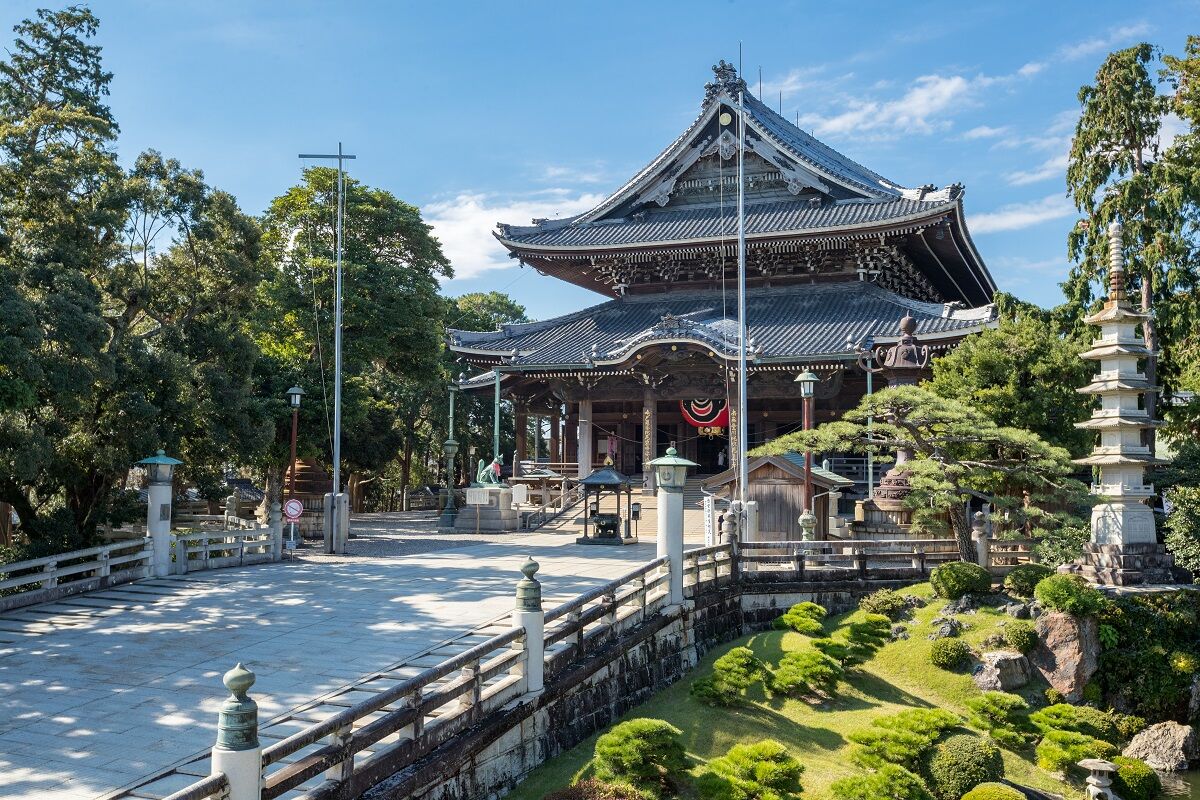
{"x":958,"y":454}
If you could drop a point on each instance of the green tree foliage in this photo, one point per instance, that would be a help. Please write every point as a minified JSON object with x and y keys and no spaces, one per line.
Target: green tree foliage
{"x":763,"y":770}
{"x":993,"y":791}
{"x":1077,"y":719}
{"x":1069,"y":594}
{"x":806,"y":672}
{"x":1060,"y":751}
{"x":889,"y":782}
{"x":957,"y":578}
{"x":124,"y":297}
{"x":993,"y":371}
{"x":1020,"y":635}
{"x":961,"y":763}
{"x":887,"y":602}
{"x":901,"y":739}
{"x":644,"y":753}
{"x":592,"y":789}
{"x":733,"y":674}
{"x":1005,"y":717}
{"x":958,"y":453}
{"x":803,"y":618}
{"x":1183,"y":528}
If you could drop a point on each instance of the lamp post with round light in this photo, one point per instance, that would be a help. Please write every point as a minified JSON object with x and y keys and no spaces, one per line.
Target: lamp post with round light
{"x":808,"y":385}
{"x":671,"y":473}
{"x":450,"y":448}
{"x":160,"y":474}
{"x":293,"y":394}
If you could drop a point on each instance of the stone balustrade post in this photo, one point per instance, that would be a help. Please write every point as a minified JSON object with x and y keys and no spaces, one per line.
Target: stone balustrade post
{"x":980,"y":538}
{"x":275,"y":522}
{"x":231,"y":512}
{"x":528,"y":614}
{"x":237,"y":753}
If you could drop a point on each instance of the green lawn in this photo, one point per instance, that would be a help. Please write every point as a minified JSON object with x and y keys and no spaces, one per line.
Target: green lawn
{"x":898,"y":677}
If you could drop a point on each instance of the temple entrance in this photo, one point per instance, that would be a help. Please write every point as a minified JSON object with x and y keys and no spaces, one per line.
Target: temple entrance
{"x":712,"y":453}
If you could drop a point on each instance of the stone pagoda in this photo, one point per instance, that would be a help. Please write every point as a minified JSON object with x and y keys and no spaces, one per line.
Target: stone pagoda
{"x":1124,"y":547}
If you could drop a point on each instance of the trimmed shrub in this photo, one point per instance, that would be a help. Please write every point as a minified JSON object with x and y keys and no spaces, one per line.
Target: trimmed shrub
{"x":643,"y":752}
{"x":1078,"y":719}
{"x":1128,"y":725}
{"x":1022,"y":580}
{"x":950,"y":654}
{"x":803,"y":618}
{"x":1135,"y":780}
{"x":1054,"y":696}
{"x":761,"y":771}
{"x":733,"y":674}
{"x":957,"y":578}
{"x":886,"y":602}
{"x":961,"y":763}
{"x":1060,"y":751}
{"x":1069,"y":594}
{"x":901,"y":739}
{"x":1020,"y":635}
{"x":867,"y":636}
{"x":1004,"y":716}
{"x":806,"y":672}
{"x":592,"y":789}
{"x":837,"y":649}
{"x":890,"y":782}
{"x":993,"y":791}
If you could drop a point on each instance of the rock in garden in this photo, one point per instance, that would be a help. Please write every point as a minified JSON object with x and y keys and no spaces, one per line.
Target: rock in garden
{"x":963,"y":605}
{"x":912,"y":601}
{"x":1167,"y":746}
{"x":1066,"y":652}
{"x":995,"y":640}
{"x":1017,"y":610}
{"x":1035,"y":610}
{"x":899,"y":632}
{"x":1194,"y":700}
{"x":945,"y":627}
{"x":1002,"y":671}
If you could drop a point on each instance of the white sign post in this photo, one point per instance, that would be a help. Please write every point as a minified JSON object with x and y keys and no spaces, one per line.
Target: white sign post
{"x":477,"y":496}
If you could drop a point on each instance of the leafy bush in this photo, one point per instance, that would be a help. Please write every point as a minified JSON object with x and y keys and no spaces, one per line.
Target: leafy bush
{"x":961,"y":763}
{"x":901,"y":739}
{"x":733,"y":674}
{"x":1023,"y":578}
{"x":1183,"y":528}
{"x":643,"y":752}
{"x":1054,"y":696}
{"x":760,"y":771}
{"x":1020,"y":635}
{"x":1004,"y":716}
{"x":1078,"y":719}
{"x":950,"y":654}
{"x":867,"y":636}
{"x":806,"y":672}
{"x":1135,"y":780}
{"x":889,"y":783}
{"x":957,"y":578}
{"x":1059,"y":751}
{"x":803,"y":618}
{"x":595,"y":790}
{"x":993,"y":791}
{"x":886,"y":602}
{"x":837,"y":649}
{"x":1108,"y":636}
{"x":1128,"y":725}
{"x":1069,"y":594}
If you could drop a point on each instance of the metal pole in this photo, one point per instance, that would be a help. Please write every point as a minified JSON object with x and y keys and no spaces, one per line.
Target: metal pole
{"x":337,"y":341}
{"x":496,"y":417}
{"x":450,"y":477}
{"x":870,"y":454}
{"x":291,"y":491}
{"x":743,"y":472}
{"x":808,"y":456}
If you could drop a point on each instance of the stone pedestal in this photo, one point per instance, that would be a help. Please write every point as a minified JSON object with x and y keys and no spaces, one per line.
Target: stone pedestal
{"x":1123,"y":564}
{"x":497,"y":515}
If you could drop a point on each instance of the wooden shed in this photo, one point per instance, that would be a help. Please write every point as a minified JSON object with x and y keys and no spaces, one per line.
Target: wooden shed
{"x":777,"y":485}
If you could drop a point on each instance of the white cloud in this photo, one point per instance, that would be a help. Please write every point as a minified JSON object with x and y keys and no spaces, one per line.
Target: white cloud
{"x":1172,"y":126}
{"x":558,"y":173}
{"x":1018,"y":264}
{"x":1031,"y":68}
{"x":1053,"y":167}
{"x":464,"y":223}
{"x":985,"y":132}
{"x":922,"y":108}
{"x":1018,"y":216}
{"x":791,"y":84}
{"x":1117,"y":36}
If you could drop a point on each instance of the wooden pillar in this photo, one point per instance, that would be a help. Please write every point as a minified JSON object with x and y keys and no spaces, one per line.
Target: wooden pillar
{"x":521,"y":429}
{"x":649,"y":439}
{"x":584,"y":438}
{"x":556,"y":455}
{"x":570,"y":436}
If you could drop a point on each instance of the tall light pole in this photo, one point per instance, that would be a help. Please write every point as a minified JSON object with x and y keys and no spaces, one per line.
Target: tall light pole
{"x":450,"y":448}
{"x":294,"y":394}
{"x":337,"y":330}
{"x":808,"y":384}
{"x":866,"y":362}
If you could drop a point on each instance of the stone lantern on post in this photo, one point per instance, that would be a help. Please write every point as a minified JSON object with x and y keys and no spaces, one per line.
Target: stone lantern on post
{"x":160,"y":472}
{"x":808,"y":387}
{"x":670,"y":472}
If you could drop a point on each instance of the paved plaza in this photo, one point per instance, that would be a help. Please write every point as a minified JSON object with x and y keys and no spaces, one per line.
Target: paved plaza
{"x":103,"y":689}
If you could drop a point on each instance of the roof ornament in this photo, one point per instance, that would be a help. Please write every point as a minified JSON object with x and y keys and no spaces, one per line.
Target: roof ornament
{"x":1116,"y":265}
{"x":725,"y":80}
{"x":908,"y":353}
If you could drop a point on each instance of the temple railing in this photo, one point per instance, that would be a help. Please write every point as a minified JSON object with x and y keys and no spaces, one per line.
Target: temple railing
{"x":38,"y":580}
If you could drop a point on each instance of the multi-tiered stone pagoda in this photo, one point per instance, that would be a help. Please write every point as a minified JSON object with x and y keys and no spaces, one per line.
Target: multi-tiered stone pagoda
{"x":1124,"y":547}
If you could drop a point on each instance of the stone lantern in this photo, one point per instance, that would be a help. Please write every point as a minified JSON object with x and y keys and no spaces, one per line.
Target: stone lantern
{"x":671,"y":472}
{"x":160,"y":471}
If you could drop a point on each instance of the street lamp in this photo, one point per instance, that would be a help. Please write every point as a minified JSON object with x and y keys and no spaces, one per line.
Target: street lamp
{"x":671,"y":472}
{"x":160,"y":470}
{"x":808,"y":386}
{"x":450,"y":448}
{"x":293,"y":394}
{"x":866,"y":362}
{"x":671,"y":469}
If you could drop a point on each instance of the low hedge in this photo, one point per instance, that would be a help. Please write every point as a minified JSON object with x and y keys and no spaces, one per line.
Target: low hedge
{"x":1020,"y":635}
{"x":645,"y":753}
{"x":1135,"y":780}
{"x":889,"y":603}
{"x":1069,"y":594}
{"x":957,"y":578}
{"x":960,"y":763}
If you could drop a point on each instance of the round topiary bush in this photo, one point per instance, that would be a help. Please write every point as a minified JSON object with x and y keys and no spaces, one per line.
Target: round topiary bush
{"x":886,"y":602}
{"x":1135,"y":780}
{"x":763,"y":769}
{"x":1069,"y":594}
{"x":1020,"y":635}
{"x":950,"y":654}
{"x":993,"y":791}
{"x":645,"y":753}
{"x":890,"y":781}
{"x":957,"y":578}
{"x":961,"y":763}
{"x":1024,"y":578}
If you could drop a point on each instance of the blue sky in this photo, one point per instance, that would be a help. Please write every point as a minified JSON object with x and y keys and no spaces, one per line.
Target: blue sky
{"x":486,"y":112}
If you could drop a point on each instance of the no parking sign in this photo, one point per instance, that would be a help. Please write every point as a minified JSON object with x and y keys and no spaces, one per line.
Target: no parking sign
{"x":292,"y":510}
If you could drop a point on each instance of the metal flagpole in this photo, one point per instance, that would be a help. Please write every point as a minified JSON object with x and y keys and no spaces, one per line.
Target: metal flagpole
{"x":743,"y":471}
{"x":337,"y":331}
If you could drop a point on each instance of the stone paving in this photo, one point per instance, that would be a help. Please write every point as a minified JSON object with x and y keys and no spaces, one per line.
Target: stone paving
{"x":100,"y":690}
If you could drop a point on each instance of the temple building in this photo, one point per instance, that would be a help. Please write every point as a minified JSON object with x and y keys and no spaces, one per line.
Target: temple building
{"x":835,"y":255}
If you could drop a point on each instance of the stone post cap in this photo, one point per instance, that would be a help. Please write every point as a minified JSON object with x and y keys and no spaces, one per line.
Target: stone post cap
{"x":529,"y":589}
{"x":238,"y":681}
{"x":237,"y":722}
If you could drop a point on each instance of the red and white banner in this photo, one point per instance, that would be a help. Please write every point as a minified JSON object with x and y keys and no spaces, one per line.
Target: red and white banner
{"x":705,"y":413}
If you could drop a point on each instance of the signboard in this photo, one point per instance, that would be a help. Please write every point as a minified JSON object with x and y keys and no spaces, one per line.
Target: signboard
{"x":520,"y":493}
{"x":292,"y":510}
{"x":477,"y":496}
{"x":709,"y":514}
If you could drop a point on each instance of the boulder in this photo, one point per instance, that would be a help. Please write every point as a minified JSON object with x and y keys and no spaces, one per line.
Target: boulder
{"x":1194,"y":700}
{"x":945,"y":627}
{"x":1067,"y":651}
{"x":1167,"y":746}
{"x":1017,"y":610}
{"x":899,"y":632}
{"x":963,"y":605}
{"x":1002,"y":671}
{"x":995,"y":641}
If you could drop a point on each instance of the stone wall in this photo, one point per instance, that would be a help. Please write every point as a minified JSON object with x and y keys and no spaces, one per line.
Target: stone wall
{"x":587,"y":696}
